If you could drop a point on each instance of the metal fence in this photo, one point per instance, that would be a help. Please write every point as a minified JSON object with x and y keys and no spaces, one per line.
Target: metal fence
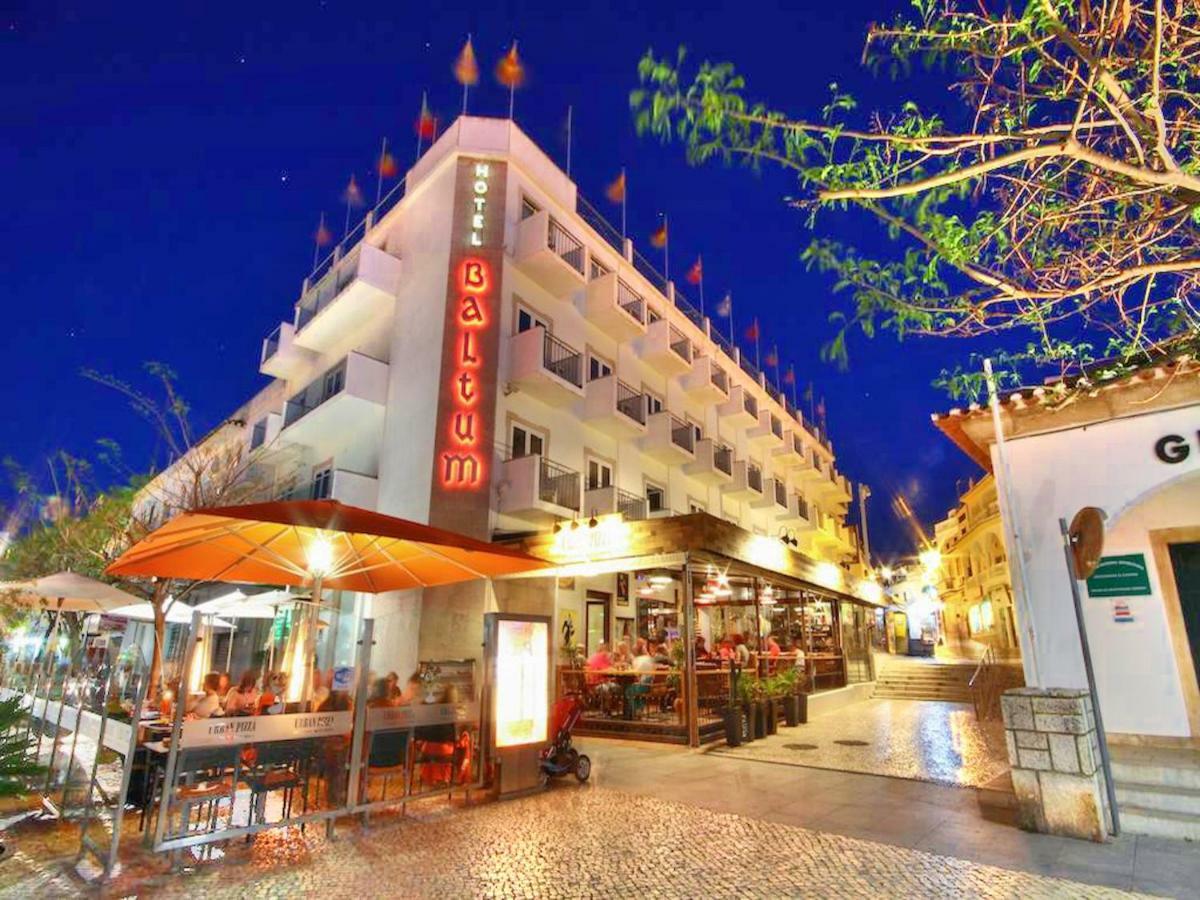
{"x":558,"y":485}
{"x":562,"y":359}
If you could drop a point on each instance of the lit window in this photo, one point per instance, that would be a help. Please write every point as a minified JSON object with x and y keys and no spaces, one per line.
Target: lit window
{"x":986,"y":616}
{"x":656,"y":497}
{"x":599,"y":474}
{"x":973,"y":620}
{"x":322,"y":484}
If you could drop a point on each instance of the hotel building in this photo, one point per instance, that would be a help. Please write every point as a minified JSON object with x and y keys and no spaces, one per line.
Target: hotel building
{"x":485,"y":353}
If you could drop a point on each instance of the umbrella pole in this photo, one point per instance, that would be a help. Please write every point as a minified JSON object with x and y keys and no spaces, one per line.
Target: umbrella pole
{"x":229,"y":654}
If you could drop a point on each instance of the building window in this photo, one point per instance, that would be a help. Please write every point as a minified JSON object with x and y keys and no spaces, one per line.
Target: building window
{"x":527,"y":441}
{"x":528,"y":208}
{"x":527,"y":319}
{"x":653,"y":404}
{"x":656,"y":497}
{"x":973,"y":622}
{"x":599,"y":474}
{"x":597,"y":368}
{"x":697,"y":431}
{"x":258,"y":436}
{"x":987,"y":617}
{"x":322,"y":484}
{"x":335,"y":380}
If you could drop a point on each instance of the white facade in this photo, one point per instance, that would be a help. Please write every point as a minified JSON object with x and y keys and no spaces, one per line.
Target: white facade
{"x":631,"y":405}
{"x":1103,"y":454}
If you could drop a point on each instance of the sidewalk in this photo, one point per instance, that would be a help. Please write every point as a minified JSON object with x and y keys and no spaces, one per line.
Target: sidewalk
{"x":910,"y":814}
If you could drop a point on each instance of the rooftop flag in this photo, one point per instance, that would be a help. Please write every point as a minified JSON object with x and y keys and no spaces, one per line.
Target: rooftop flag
{"x":695,"y":275}
{"x":725,"y":307}
{"x":616,"y":194}
{"x":658,"y":238}
{"x":510,"y":72}
{"x":466,"y":70}
{"x":354,"y":199}
{"x":385,"y":167}
{"x":322,"y":237}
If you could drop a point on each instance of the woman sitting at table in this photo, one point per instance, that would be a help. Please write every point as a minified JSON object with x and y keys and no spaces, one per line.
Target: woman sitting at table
{"x":243,"y":699}
{"x":598,"y":662}
{"x":210,"y":704}
{"x":701,"y":648}
{"x":271,"y":702}
{"x":643,"y":663}
{"x":773,"y":648}
{"x":622,"y":659}
{"x":741,"y":650}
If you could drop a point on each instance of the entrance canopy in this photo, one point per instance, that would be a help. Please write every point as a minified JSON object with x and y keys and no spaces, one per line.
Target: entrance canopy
{"x":294,"y":542}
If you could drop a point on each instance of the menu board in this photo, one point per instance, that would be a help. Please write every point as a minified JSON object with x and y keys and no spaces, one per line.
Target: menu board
{"x":522,"y":682}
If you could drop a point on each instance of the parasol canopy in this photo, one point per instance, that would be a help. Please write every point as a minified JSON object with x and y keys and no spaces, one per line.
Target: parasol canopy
{"x":237,"y":605}
{"x":176,"y":614}
{"x":66,"y":592}
{"x":295,"y":542}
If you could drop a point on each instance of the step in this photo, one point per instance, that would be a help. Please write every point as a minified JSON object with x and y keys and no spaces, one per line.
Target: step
{"x":1169,"y":768}
{"x":1179,"y":826}
{"x":997,"y":793}
{"x":1159,"y":797}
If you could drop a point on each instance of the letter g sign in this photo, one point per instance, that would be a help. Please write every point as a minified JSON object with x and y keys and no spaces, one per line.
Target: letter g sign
{"x":1171,"y":448}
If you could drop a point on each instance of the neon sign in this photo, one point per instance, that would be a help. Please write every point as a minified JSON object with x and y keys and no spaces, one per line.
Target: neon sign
{"x":462,"y":460}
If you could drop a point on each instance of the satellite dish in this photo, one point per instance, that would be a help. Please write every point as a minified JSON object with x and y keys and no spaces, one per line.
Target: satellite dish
{"x":1087,"y":540}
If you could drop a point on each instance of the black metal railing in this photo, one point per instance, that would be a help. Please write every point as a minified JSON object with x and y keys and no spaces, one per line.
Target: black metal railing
{"x":631,"y":506}
{"x":684,"y":305}
{"x":724,"y":343}
{"x":528,"y":209}
{"x":781,"y":494}
{"x":719,"y":377}
{"x":325,"y":291}
{"x":750,"y":368}
{"x":562,"y":359}
{"x":723,"y":458}
{"x":750,"y":403}
{"x":359,"y":231}
{"x":565,"y":245}
{"x":630,"y":301}
{"x":271,"y":344}
{"x":321,"y":389}
{"x":558,"y":484}
{"x":774,"y":393}
{"x":680,"y":344}
{"x":650,"y":273}
{"x":754,"y":477}
{"x":599,"y":224}
{"x":682,"y":434}
{"x":631,"y":402}
{"x":802,"y":507}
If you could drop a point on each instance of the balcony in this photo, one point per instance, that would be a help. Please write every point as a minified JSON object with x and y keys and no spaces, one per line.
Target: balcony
{"x":792,"y":454}
{"x":666,"y":348}
{"x":281,"y":356}
{"x":351,"y":488}
{"x":614,"y":407}
{"x":551,"y":255}
{"x":545,"y":367}
{"x":797,"y":515}
{"x":707,"y":381}
{"x":669,"y":439}
{"x":346,"y":398}
{"x":362,"y":288}
{"x":774,"y":496}
{"x":613,"y":307}
{"x":536,"y":490}
{"x":841,"y":487}
{"x":747,"y":481}
{"x":768,"y":433}
{"x":713,"y":463}
{"x":741,"y":409}
{"x":813,"y":469}
{"x":607,"y":500}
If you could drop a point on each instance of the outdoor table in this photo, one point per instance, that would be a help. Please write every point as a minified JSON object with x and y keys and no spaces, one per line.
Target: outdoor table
{"x":625,"y":678}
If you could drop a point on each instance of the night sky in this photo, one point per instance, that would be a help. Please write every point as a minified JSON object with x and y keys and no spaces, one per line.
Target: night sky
{"x":163,"y":167}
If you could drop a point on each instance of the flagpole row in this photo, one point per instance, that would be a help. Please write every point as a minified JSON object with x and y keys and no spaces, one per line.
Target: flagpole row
{"x":379,"y":170}
{"x":570,"y":108}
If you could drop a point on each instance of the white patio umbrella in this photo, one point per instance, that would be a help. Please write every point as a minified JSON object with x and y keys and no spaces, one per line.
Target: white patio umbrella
{"x":177,"y":614}
{"x":65,"y":592}
{"x":237,"y":605}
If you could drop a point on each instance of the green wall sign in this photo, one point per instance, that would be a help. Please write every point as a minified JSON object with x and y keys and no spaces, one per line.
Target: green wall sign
{"x":1120,"y":576}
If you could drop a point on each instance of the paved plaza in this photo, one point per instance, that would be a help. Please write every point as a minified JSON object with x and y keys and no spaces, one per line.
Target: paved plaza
{"x":655,"y":822}
{"x":926,"y":740}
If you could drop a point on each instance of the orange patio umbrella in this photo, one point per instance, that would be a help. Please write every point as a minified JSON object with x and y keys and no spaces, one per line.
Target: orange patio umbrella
{"x":321,"y":543}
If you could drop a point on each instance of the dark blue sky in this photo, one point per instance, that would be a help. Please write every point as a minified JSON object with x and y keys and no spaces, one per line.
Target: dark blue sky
{"x":163,"y":167}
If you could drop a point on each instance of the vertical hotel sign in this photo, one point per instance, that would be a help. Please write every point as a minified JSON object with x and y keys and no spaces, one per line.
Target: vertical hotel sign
{"x":470,"y":351}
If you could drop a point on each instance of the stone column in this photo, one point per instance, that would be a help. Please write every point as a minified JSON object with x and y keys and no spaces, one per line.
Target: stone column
{"x":1055,"y":757}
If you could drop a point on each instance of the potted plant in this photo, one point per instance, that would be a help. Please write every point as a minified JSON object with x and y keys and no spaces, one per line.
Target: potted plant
{"x":754,"y":702}
{"x":790,"y":698}
{"x":735,"y":713}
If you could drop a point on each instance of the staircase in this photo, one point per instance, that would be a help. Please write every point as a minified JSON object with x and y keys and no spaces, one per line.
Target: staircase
{"x":902,"y":678}
{"x":1158,"y":791}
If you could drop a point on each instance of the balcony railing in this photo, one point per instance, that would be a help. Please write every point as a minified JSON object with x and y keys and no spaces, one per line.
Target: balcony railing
{"x":802,"y":508}
{"x":317,"y":392}
{"x":631,"y":403}
{"x":750,"y":368}
{"x":562,"y":359}
{"x":271,"y":344}
{"x":682,"y":434}
{"x":780,"y":494}
{"x":565,"y":245}
{"x":359,"y":231}
{"x":325,"y":291}
{"x":754,"y":477}
{"x":718,"y":377}
{"x":596,"y":269}
{"x":750,"y":403}
{"x":650,"y":273}
{"x":685,"y":307}
{"x":723,"y":458}
{"x":680,"y":344}
{"x":631,"y":506}
{"x":558,"y":485}
{"x":631,"y":301}
{"x":599,"y":224}
{"x":723,"y":343}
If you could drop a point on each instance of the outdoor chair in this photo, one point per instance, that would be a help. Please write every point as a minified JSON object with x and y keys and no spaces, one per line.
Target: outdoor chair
{"x":283,"y":767}
{"x":387,"y":759}
{"x":204,"y":777}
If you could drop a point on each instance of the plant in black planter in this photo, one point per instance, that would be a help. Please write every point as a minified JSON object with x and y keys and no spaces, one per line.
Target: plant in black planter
{"x":787,"y":683}
{"x":754,"y":699}
{"x":735,"y":713}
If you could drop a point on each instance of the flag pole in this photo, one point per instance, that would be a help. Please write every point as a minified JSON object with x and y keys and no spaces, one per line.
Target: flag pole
{"x":775,"y":352}
{"x":731,"y":341}
{"x":466,"y":86}
{"x":349,"y":198}
{"x":792,"y":372}
{"x":624,"y":193}
{"x":700,"y":260}
{"x":570,"y":109}
{"x":317,"y":240}
{"x":666,"y":249}
{"x":757,"y":361}
{"x":379,"y":177}
{"x":512,"y":88}
{"x":421,"y":124}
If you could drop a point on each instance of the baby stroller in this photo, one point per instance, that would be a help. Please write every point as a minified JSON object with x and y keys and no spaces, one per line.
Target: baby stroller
{"x":560,"y":758}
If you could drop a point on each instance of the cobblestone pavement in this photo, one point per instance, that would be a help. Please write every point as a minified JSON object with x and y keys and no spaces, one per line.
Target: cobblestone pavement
{"x":570,"y":842}
{"x":921,"y":739}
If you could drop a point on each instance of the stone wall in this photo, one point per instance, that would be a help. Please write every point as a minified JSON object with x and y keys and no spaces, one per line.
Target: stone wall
{"x":1055,"y":755}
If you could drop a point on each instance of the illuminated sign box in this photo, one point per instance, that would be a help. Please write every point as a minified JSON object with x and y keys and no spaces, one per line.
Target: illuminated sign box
{"x":522,"y":688}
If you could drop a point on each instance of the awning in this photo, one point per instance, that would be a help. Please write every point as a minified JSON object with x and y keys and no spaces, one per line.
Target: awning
{"x":66,"y":592}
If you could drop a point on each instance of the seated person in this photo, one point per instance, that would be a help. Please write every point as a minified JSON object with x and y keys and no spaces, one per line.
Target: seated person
{"x":598,"y":662}
{"x":701,"y":649}
{"x":320,"y":692}
{"x":243,"y":699}
{"x":622,"y":659}
{"x":210,"y":704}
{"x":272,"y":701}
{"x":661,"y":656}
{"x":773,"y":648}
{"x":643,"y":663}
